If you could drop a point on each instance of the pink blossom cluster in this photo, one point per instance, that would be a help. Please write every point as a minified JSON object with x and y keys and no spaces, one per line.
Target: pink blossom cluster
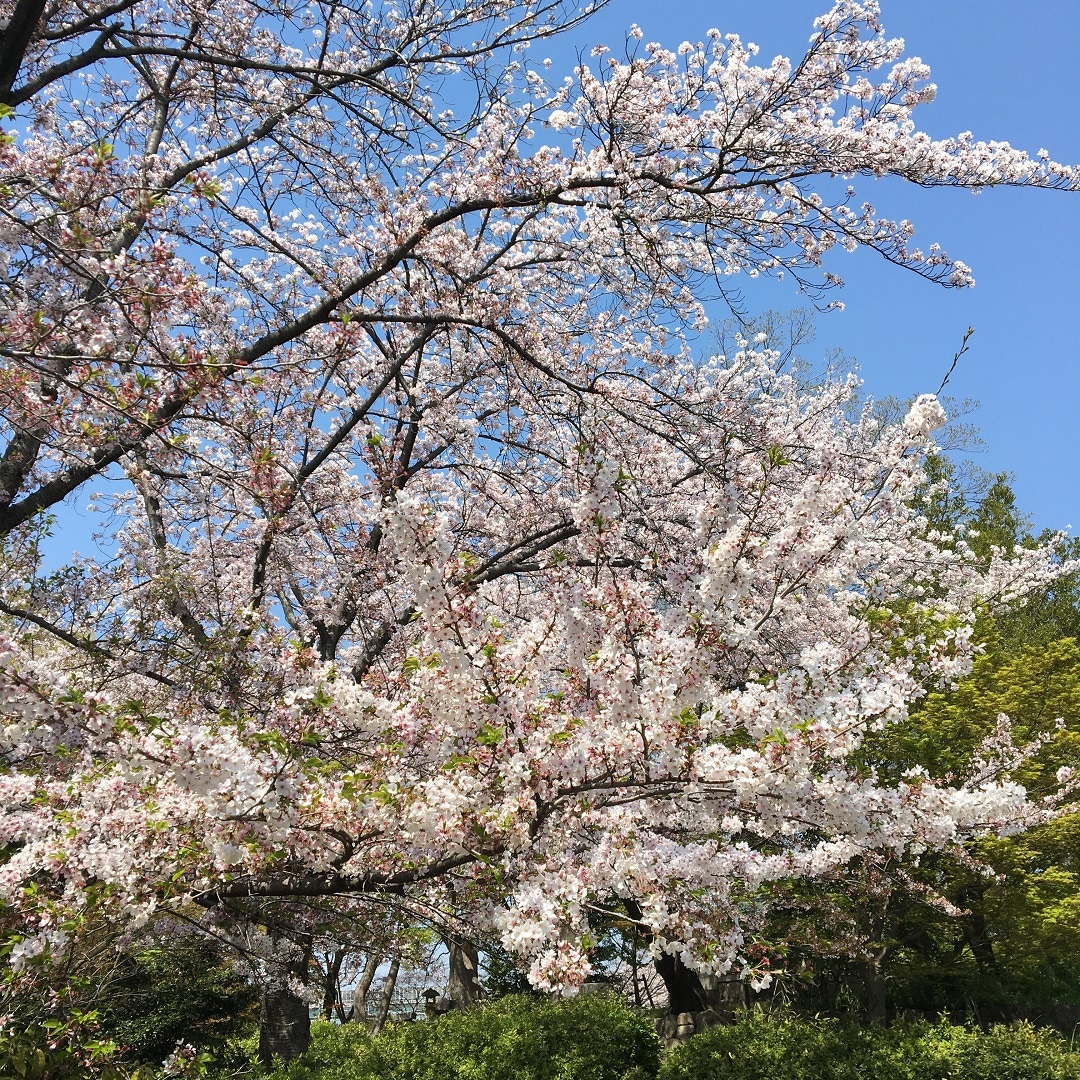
{"x":438,"y":567}
{"x":666,"y":704}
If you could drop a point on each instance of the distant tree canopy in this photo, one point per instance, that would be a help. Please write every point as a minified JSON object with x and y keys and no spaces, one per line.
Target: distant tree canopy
{"x":1001,"y":930}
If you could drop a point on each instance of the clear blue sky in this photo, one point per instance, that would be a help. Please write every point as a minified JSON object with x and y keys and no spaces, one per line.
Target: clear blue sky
{"x":1005,"y":71}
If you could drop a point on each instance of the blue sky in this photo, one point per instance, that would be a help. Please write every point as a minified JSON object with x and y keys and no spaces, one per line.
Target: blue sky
{"x":1004,"y":71}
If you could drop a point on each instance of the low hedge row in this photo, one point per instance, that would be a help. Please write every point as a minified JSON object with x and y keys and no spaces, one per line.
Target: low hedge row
{"x":775,"y":1047}
{"x":599,"y":1038}
{"x":513,"y":1038}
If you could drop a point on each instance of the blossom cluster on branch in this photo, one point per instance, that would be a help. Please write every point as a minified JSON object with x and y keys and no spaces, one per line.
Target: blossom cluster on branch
{"x":436,"y":558}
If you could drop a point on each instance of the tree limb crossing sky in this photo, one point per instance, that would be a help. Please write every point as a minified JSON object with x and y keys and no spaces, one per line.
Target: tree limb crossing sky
{"x":1005,"y":72}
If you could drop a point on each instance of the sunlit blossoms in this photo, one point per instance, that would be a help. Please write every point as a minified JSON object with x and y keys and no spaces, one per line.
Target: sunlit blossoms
{"x":441,"y":567}
{"x":665,"y":703}
{"x":925,"y":415}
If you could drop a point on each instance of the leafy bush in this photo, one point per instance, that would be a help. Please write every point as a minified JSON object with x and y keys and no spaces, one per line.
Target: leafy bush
{"x":60,"y":1050}
{"x":777,"y":1047}
{"x":183,"y":992}
{"x":788,"y":1048}
{"x":514,"y":1038}
{"x":1022,"y":1052}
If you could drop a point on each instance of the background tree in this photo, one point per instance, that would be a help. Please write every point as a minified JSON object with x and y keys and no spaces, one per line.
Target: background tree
{"x":992,"y":934}
{"x":185,"y":990}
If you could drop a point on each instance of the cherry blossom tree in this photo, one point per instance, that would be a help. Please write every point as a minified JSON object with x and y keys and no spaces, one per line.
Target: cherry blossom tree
{"x":441,"y":572}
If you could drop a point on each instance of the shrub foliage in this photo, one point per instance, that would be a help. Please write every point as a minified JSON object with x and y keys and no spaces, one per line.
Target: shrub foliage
{"x":790,"y":1048}
{"x":514,"y":1038}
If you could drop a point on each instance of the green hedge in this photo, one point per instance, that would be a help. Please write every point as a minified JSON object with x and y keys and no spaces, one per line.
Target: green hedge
{"x":599,"y":1038}
{"x":775,"y":1047}
{"x":514,"y":1038}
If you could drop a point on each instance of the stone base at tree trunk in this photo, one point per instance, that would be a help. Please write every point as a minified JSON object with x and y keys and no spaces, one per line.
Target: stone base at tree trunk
{"x":676,"y":1028}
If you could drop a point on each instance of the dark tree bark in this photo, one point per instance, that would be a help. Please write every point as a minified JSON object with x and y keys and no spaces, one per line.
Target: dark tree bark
{"x":686,"y":991}
{"x":330,"y":984}
{"x":976,"y":932}
{"x":880,"y":921}
{"x":284,"y":1026}
{"x":14,"y":40}
{"x":874,"y":983}
{"x":284,"y":1019}
{"x":464,"y":988}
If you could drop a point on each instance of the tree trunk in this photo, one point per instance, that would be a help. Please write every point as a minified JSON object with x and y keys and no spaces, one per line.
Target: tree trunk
{"x":976,"y":932}
{"x":646,"y":985}
{"x":386,"y":995}
{"x":359,"y":1000}
{"x":874,"y":966}
{"x":634,"y":968}
{"x":330,"y":984}
{"x":874,"y":982}
{"x":284,"y":1020}
{"x":284,"y":1026}
{"x":686,"y":992}
{"x":464,"y":989}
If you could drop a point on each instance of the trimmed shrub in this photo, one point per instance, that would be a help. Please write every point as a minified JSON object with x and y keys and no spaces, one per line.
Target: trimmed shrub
{"x":599,"y":1038}
{"x":514,"y":1038}
{"x":1022,"y":1052}
{"x":763,"y":1047}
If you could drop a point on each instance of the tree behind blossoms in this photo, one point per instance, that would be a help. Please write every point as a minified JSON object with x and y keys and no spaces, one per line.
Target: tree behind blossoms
{"x":440,"y":575}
